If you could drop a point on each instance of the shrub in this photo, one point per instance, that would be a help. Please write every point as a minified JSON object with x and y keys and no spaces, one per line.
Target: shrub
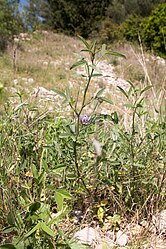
{"x":153,"y":30}
{"x":132,"y":27}
{"x":109,"y":31}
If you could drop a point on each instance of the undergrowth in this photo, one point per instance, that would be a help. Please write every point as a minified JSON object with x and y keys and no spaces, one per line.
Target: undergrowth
{"x":53,"y":166}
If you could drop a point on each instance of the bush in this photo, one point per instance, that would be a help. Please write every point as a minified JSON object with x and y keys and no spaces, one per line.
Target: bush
{"x":132,"y":27}
{"x":109,"y":31}
{"x":153,"y":30}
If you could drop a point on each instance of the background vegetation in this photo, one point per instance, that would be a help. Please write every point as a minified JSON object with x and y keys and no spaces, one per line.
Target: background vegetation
{"x":113,"y":20}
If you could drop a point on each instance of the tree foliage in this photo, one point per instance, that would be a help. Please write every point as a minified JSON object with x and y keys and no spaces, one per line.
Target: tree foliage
{"x":85,"y":16}
{"x":10,"y":21}
{"x":153,"y":30}
{"x":74,"y":16}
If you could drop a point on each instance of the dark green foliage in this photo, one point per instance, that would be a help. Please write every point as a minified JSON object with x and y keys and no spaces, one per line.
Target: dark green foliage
{"x":132,"y":27}
{"x":10,"y":21}
{"x":109,"y":31}
{"x":153,"y":30}
{"x":118,"y":11}
{"x":74,"y":16}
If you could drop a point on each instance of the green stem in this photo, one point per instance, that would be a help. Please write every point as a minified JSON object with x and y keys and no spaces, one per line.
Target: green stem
{"x":78,"y":129}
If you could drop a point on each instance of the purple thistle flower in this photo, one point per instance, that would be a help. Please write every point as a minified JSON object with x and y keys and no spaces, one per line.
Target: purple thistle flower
{"x":85,"y":119}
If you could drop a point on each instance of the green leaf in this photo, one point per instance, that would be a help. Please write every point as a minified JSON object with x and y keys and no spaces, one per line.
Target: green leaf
{"x":78,"y":64}
{"x":59,"y":92}
{"x":93,"y":47}
{"x":114,"y":53}
{"x":87,"y":45}
{"x":76,"y":245}
{"x":56,"y":218}
{"x":19,"y":106}
{"x":11,"y":218}
{"x":103,"y":49}
{"x":33,"y":230}
{"x":64,"y":193}
{"x":139,"y":103}
{"x":107,"y":100}
{"x":59,"y":201}
{"x":100,"y":214}
{"x":129,"y":91}
{"x":8,"y":246}
{"x":114,"y":117}
{"x":60,"y":194}
{"x":146,"y":89}
{"x":47,"y":230}
{"x":129,"y":106}
{"x":34,"y":171}
{"x":99,"y":93}
{"x":68,"y":96}
{"x":123,"y":91}
{"x":57,"y":147}
{"x":34,"y":207}
{"x":40,"y":178}
{"x":9,"y":229}
{"x":85,"y":50}
{"x":107,"y":182}
{"x":58,"y":167}
{"x":97,"y":75}
{"x":131,"y":84}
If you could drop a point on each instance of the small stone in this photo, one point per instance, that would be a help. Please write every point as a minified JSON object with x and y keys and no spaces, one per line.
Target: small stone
{"x":87,"y":235}
{"x":30,"y":80}
{"x":15,"y":81}
{"x":121,"y":238}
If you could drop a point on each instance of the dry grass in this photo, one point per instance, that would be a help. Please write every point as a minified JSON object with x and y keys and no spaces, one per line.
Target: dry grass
{"x":47,"y":58}
{"x":140,"y":66}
